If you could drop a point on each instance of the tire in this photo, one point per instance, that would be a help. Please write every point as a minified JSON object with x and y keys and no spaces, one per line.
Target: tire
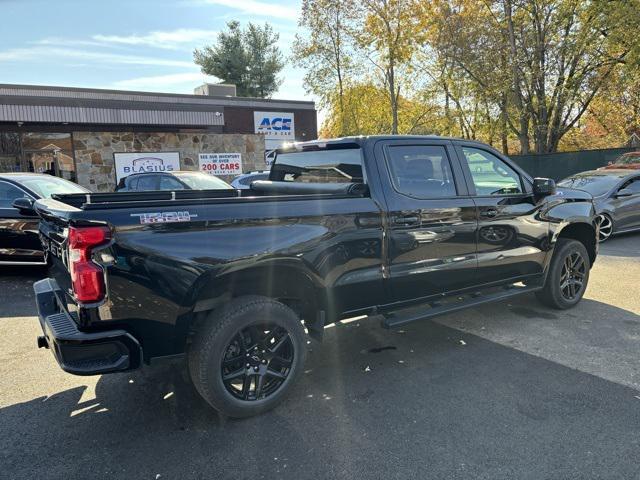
{"x":553,"y":294}
{"x":606,"y":227}
{"x":234,"y":337}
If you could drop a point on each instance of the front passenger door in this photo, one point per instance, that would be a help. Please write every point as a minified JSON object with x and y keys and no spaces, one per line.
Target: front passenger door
{"x":511,"y":238}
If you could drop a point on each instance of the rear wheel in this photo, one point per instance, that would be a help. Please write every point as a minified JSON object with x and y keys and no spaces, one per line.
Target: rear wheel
{"x":245,"y":357}
{"x":568,"y":275}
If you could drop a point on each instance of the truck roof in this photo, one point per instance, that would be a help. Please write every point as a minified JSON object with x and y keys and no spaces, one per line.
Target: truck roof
{"x":362,"y":139}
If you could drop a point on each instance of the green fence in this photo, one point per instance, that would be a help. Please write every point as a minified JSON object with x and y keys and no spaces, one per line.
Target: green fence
{"x":562,"y":164}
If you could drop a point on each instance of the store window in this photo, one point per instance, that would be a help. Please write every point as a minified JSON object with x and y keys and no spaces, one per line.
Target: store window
{"x":9,"y":152}
{"x":38,"y":152}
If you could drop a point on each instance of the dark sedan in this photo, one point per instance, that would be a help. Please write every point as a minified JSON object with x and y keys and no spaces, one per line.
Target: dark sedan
{"x":19,"y":242}
{"x":178,"y":180}
{"x":616,"y":195}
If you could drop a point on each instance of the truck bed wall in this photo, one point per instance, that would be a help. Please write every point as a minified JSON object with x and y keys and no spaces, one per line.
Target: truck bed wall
{"x":160,"y":271}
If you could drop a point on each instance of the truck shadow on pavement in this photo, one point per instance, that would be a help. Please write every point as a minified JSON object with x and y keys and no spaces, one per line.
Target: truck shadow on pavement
{"x":425,"y":402}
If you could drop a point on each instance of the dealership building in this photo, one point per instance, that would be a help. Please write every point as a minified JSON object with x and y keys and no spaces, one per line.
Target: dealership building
{"x":95,"y":137}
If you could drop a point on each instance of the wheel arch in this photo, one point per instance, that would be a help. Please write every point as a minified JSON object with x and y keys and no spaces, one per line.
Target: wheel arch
{"x":583,"y":232}
{"x":289,"y":284}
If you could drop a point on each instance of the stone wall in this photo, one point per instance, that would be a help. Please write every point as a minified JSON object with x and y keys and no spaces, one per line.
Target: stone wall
{"x":95,"y":166}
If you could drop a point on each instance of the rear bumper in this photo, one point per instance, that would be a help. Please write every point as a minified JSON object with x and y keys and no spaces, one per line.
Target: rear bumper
{"x":77,"y":352}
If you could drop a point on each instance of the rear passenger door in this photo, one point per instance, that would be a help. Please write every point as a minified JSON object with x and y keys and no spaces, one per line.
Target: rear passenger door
{"x":511,"y":236}
{"x":431,"y":243}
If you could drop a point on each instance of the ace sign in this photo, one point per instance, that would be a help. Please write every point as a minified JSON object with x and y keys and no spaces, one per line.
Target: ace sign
{"x":220,"y":163}
{"x":275,"y":125}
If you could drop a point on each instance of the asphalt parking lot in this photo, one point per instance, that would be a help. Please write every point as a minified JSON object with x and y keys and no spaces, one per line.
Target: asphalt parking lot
{"x":505,"y":391}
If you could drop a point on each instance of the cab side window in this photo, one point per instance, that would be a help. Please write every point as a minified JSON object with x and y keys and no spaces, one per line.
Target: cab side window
{"x":491,"y":176}
{"x":421,"y":171}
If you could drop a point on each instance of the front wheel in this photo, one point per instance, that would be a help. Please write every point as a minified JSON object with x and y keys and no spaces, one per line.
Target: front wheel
{"x":606,"y":227}
{"x":568,"y":275}
{"x":245,"y":357}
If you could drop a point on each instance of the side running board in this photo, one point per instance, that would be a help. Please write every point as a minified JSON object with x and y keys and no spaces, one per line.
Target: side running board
{"x":453,"y":304}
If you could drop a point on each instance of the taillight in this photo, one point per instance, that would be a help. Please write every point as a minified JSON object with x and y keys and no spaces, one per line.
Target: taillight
{"x":87,"y":278}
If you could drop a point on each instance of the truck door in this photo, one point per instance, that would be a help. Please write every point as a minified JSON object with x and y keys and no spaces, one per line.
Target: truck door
{"x":511,"y":236}
{"x":432,"y":222}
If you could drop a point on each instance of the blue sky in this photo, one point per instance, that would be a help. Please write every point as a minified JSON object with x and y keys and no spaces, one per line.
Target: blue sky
{"x":130,"y":45}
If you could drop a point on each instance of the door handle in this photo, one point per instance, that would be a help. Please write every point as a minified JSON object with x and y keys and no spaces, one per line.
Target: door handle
{"x":489,"y":213}
{"x":407,"y":221}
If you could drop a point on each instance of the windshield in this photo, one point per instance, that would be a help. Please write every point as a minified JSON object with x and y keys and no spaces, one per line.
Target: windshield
{"x":46,"y":185}
{"x":596,"y":185}
{"x":203,"y":181}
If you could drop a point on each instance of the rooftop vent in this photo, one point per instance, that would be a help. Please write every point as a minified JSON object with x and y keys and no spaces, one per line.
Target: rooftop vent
{"x":216,"y":89}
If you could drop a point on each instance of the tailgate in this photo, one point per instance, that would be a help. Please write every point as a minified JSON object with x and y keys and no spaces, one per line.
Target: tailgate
{"x":53,"y":235}
{"x":71,"y":240}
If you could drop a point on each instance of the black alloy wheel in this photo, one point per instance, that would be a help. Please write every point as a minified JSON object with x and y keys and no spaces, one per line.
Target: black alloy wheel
{"x":257,"y":361}
{"x":572,"y":276}
{"x":245,"y":356}
{"x":568,"y":275}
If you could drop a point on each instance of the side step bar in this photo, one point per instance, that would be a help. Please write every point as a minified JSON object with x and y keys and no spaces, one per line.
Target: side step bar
{"x":439,"y":307}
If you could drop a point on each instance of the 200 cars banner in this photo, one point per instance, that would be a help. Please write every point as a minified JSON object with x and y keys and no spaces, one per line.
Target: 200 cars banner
{"x":220,"y":163}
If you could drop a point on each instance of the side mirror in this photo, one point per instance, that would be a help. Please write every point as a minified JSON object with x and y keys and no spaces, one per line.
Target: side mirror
{"x":543,"y":187}
{"x":625,"y":192}
{"x":24,"y":205}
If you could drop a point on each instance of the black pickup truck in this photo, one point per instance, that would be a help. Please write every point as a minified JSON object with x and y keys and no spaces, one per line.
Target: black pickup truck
{"x":235,"y":279}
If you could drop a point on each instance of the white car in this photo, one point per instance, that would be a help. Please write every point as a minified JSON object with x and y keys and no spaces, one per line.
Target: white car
{"x":244,"y":181}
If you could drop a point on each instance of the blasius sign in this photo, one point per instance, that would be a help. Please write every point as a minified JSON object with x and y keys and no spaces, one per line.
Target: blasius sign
{"x":128,"y":163}
{"x":275,"y":125}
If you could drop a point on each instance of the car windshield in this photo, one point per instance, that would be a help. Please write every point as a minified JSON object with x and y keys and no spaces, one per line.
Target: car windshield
{"x":596,"y":185}
{"x":46,"y":185}
{"x":202,"y":181}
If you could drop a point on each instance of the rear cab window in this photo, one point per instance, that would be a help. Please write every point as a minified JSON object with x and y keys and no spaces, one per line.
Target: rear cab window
{"x":421,"y":171}
{"x":322,"y":165}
